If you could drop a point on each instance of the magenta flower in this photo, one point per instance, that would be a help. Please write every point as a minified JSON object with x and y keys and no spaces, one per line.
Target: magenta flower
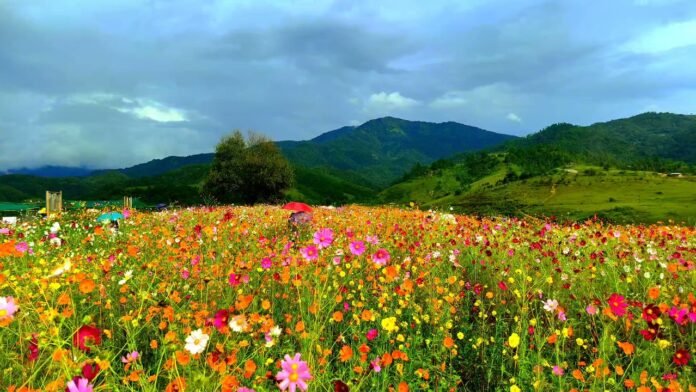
{"x":7,"y":307}
{"x":374,"y":364}
{"x":82,"y":385}
{"x":185,"y":274}
{"x":266,"y":263}
{"x":234,"y":280}
{"x":357,"y":248}
{"x":244,"y":389}
{"x":220,"y":319}
{"x":324,"y":238}
{"x":618,"y":304}
{"x":372,"y":334}
{"x":679,"y":315}
{"x":310,"y":252}
{"x":295,"y":374}
{"x":381,"y":256}
{"x":22,"y":247}
{"x":558,"y":371}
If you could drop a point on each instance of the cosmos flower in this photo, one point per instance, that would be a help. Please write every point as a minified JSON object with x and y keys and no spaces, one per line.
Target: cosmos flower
{"x":87,"y":336}
{"x":309,"y":252}
{"x":295,"y":373}
{"x":617,"y":304}
{"x":82,"y":385}
{"x":7,"y":307}
{"x":381,"y":257}
{"x":196,"y":342}
{"x":550,"y":305}
{"x":357,"y":248}
{"x":323,"y":238}
{"x":681,"y":357}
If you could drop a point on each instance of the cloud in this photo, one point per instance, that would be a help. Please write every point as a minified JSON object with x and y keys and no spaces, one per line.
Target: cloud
{"x":664,"y":38}
{"x":513,"y":117}
{"x":172,"y":77}
{"x":388,"y":102}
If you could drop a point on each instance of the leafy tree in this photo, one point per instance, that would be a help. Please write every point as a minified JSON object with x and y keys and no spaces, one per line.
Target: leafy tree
{"x":248,"y":171}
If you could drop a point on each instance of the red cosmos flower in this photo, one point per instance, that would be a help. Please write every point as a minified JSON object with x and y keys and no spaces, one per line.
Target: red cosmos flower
{"x":651,"y":313}
{"x":651,"y":332}
{"x":681,"y":357}
{"x":87,"y":335}
{"x":33,"y":348}
{"x":618,"y":304}
{"x":90,"y":371}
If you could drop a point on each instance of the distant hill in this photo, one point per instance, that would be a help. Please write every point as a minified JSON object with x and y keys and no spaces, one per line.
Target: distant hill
{"x":649,"y":135}
{"x":53,"y":171}
{"x":383,"y":149}
{"x":156,"y":167}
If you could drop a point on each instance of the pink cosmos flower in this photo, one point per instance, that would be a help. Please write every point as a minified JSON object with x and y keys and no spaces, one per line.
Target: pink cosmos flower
{"x":130,"y":357}
{"x":591,"y":310}
{"x":374,"y":364}
{"x":372,"y":334}
{"x":82,"y":385}
{"x":618,"y":304}
{"x":244,"y":389}
{"x":357,"y":248}
{"x":4,"y":230}
{"x":373,"y":239}
{"x":381,"y":257}
{"x":310,"y":252}
{"x":22,"y":247}
{"x":7,"y":307}
{"x":324,"y":238}
{"x":295,"y":374}
{"x":185,"y":274}
{"x":266,"y":263}
{"x":558,"y":371}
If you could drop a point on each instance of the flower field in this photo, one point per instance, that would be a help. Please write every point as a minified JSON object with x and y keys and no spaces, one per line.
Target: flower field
{"x":363,"y":299}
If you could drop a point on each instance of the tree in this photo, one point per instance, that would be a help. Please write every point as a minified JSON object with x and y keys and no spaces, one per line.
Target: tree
{"x":248,"y":171}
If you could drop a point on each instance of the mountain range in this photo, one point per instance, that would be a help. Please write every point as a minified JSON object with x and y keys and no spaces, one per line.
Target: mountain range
{"x":390,"y":160}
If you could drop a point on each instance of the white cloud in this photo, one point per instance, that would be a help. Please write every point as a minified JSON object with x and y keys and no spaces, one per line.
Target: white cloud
{"x":159,"y":114}
{"x":513,"y":117}
{"x":664,"y":38}
{"x":387,"y":102}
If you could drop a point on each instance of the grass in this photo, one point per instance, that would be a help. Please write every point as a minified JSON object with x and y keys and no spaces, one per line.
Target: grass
{"x":575,"y":192}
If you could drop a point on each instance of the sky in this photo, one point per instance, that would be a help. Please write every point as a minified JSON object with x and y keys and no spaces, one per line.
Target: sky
{"x":113,"y":83}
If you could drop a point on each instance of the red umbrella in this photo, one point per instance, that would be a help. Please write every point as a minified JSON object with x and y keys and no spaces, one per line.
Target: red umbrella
{"x":297,"y":206}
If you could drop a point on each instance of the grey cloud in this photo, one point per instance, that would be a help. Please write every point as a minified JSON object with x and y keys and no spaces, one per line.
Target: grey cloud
{"x":293,"y":72}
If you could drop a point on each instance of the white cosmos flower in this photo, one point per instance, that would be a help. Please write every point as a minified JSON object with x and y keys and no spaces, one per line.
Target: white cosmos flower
{"x":238,"y":323}
{"x":276,"y":331}
{"x":126,"y":277}
{"x":550,"y":305}
{"x":196,"y":342}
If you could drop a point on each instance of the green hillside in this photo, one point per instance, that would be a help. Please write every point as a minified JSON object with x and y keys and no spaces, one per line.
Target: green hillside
{"x":382,"y":150}
{"x":569,"y":192}
{"x":636,"y":140}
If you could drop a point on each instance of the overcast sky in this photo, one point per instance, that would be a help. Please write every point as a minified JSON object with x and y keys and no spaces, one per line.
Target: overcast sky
{"x":111,"y":83}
